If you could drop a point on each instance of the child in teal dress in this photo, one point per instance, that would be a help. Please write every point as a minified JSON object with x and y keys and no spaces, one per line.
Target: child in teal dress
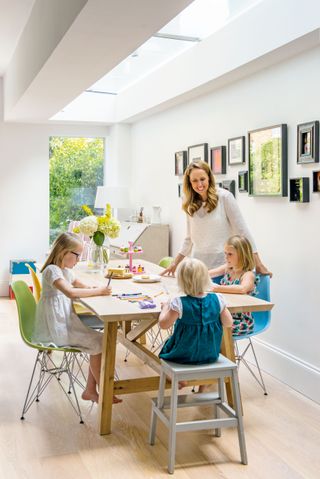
{"x":198,"y":317}
{"x":238,"y":278}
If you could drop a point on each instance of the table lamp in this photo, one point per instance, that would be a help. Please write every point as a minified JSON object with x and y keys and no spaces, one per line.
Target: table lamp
{"x":117,"y":196}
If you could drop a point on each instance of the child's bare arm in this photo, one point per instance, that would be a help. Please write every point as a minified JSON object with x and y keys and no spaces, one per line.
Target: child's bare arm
{"x":167,"y":316}
{"x":219,"y":271}
{"x":71,"y":292}
{"x":79,"y":284}
{"x":226,"y":318}
{"x":245,"y":287}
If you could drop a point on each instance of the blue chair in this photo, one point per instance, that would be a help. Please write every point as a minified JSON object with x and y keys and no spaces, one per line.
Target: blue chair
{"x":217,"y":279}
{"x":261,"y":323}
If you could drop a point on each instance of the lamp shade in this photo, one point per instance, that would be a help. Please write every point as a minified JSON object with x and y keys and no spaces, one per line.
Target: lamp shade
{"x":117,"y":196}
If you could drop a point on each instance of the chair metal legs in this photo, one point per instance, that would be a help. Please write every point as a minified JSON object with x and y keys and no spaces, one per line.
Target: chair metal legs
{"x":48,"y":370}
{"x":240,"y":357}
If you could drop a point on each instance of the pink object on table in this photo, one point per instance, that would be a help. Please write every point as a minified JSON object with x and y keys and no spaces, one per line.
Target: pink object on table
{"x":131,"y":251}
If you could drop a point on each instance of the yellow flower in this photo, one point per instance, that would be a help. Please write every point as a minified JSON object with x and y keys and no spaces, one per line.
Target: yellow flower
{"x":87,"y":210}
{"x":108,"y":212}
{"x":97,"y":227}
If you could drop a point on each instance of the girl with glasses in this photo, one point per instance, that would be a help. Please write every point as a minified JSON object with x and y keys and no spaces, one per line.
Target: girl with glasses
{"x":56,"y":322}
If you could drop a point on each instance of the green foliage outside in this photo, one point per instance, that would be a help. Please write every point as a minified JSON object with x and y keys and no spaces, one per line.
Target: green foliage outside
{"x":265,"y":167}
{"x":76,"y":169}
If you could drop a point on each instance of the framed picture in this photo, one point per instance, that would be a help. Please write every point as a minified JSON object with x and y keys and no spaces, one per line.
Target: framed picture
{"x":316,"y":181}
{"x":299,"y":190}
{"x":229,"y":185}
{"x":180,"y":190}
{"x":268,"y":161}
{"x":180,"y":162}
{"x":243,"y":181}
{"x":308,"y":142}
{"x":236,"y":151}
{"x":218,"y":160}
{"x":198,"y":153}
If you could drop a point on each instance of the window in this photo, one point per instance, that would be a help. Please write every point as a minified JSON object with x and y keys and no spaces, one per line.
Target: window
{"x":76,"y":169}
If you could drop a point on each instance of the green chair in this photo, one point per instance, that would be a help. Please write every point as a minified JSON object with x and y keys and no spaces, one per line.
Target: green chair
{"x":165,"y":262}
{"x":45,"y":368}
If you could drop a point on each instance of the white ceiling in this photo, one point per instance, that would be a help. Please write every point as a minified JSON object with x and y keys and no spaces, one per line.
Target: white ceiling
{"x":13,"y":17}
{"x":51,"y":51}
{"x":67,"y":46}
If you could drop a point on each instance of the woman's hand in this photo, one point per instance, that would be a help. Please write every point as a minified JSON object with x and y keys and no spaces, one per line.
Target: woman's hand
{"x":260,"y":267}
{"x":170,"y":271}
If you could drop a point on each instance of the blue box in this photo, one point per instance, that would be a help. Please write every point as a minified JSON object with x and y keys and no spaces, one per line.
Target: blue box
{"x":17,"y":266}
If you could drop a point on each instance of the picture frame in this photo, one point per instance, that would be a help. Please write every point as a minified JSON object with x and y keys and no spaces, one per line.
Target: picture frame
{"x":180,"y":190}
{"x":198,"y":153}
{"x":308,"y":142}
{"x":180,"y":162}
{"x":268,"y":161}
{"x":218,"y":157}
{"x":300,"y":190}
{"x":316,"y":181}
{"x":236,"y":150}
{"x":243,"y":181}
{"x":229,"y":185}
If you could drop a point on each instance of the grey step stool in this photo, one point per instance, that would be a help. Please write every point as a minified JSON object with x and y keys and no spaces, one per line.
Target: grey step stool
{"x":221,"y":369}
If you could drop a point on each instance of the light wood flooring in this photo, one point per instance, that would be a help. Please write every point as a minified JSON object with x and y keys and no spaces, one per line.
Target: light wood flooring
{"x":282,"y":430}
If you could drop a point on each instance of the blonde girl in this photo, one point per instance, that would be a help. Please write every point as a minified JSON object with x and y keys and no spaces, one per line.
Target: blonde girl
{"x":197,"y":317}
{"x":238,"y":277}
{"x":56,"y":323}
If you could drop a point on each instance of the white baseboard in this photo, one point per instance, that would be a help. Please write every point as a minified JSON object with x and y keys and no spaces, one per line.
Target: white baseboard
{"x":296,"y":373}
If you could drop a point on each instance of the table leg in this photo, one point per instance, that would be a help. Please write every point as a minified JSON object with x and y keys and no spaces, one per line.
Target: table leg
{"x":107,"y":377}
{"x":227,"y":349}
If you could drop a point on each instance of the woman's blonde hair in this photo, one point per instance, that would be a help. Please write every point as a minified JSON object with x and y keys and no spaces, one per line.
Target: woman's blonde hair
{"x":244,"y":249}
{"x":193,"y":277}
{"x":192,"y":200}
{"x":64,"y":243}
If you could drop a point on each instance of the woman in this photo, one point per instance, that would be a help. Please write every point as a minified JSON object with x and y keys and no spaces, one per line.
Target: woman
{"x":213,"y":216}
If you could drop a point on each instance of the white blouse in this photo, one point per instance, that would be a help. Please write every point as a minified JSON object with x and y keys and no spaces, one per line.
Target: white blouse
{"x":208,"y":232}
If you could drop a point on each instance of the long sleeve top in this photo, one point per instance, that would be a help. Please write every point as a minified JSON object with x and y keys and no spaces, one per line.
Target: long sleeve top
{"x":208,"y":232}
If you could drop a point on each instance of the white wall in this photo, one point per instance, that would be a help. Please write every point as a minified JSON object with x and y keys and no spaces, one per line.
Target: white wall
{"x":287,"y":234}
{"x":24,"y":189}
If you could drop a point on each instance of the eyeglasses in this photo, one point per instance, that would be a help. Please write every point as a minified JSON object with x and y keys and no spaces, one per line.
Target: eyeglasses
{"x":76,"y":254}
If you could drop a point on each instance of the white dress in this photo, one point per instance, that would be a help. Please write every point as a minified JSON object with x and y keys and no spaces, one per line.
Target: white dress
{"x":56,"y":323}
{"x":207,"y":233}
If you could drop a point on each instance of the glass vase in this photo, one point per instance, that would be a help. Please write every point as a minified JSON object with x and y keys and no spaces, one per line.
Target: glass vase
{"x":98,"y":256}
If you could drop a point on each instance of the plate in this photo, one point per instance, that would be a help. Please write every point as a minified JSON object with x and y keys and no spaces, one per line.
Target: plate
{"x":147,"y":278}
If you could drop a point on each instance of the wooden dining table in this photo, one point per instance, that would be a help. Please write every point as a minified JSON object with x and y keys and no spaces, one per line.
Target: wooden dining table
{"x":127,"y":323}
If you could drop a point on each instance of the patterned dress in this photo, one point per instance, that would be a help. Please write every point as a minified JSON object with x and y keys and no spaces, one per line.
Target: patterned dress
{"x":243,"y":323}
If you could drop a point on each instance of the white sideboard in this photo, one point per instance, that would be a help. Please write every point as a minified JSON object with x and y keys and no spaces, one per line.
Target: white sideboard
{"x":153,"y":238}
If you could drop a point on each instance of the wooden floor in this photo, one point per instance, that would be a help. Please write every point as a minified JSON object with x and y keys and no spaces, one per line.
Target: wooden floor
{"x":282,"y":430}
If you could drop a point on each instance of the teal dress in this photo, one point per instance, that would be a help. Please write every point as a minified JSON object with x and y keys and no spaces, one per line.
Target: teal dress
{"x":197,"y":335}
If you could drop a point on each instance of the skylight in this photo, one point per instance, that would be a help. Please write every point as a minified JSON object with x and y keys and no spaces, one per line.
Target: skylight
{"x":199,"y":20}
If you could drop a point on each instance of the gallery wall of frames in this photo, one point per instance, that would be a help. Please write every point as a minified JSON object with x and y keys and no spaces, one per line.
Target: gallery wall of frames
{"x":265,"y":151}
